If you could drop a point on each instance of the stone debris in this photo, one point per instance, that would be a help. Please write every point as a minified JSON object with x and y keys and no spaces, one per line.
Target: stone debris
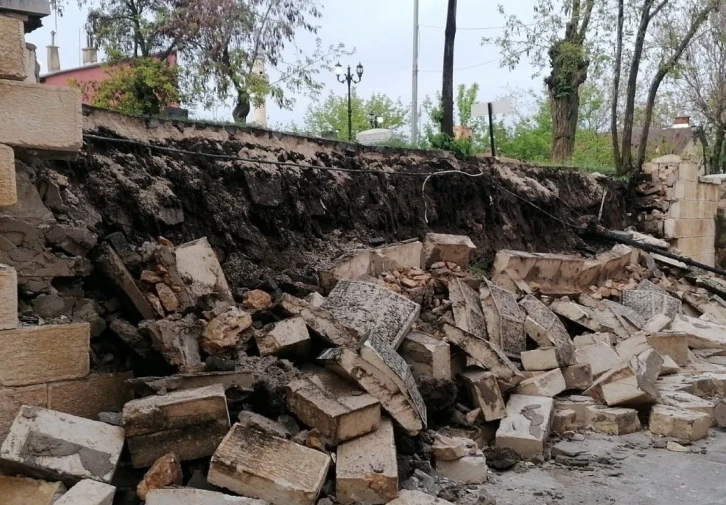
{"x":24,"y":491}
{"x":166,"y":471}
{"x":287,"y":338}
{"x":546,"y":329}
{"x":189,"y":496}
{"x":504,"y":318}
{"x":438,"y":247}
{"x":321,"y":321}
{"x":527,"y":425}
{"x":88,"y":492}
{"x":407,"y":497}
{"x":467,"y":309}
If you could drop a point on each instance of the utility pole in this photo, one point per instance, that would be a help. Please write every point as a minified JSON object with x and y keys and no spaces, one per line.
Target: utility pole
{"x":414,"y":85}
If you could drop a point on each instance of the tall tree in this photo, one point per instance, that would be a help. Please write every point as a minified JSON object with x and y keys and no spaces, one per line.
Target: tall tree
{"x":447,"y":88}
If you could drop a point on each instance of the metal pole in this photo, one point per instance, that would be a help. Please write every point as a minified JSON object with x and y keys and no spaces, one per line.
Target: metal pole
{"x":491,"y":129}
{"x":414,"y":84}
{"x":350,"y":109}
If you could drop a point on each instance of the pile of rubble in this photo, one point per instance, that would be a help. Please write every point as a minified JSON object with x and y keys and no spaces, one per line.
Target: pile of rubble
{"x":404,"y":384}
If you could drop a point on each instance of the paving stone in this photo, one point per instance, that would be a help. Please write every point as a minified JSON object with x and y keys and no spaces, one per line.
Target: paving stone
{"x":336,"y":408}
{"x":527,"y":425}
{"x":321,"y":321}
{"x":406,"y":497}
{"x":188,"y":496}
{"x":485,"y":393}
{"x":594,"y":338}
{"x":577,"y":376}
{"x":504,"y":317}
{"x":91,"y":395}
{"x":601,"y":358}
{"x":701,"y":334}
{"x":24,"y":491}
{"x":88,"y":492}
{"x":426,"y":355}
{"x":190,"y":423}
{"x":467,"y":309}
{"x":678,"y":423}
{"x":547,"y":384}
{"x":286,"y":338}
{"x":467,"y":470}
{"x":613,"y":421}
{"x":37,"y":354}
{"x":442,"y":247}
{"x":545,"y":328}
{"x":252,"y":463}
{"x":542,"y":359}
{"x":648,"y":303}
{"x":11,"y":399}
{"x":366,"y":469}
{"x":56,"y":446}
{"x":369,"y":308}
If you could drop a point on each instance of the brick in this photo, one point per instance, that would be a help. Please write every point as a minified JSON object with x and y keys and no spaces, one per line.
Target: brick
{"x":8,"y":298}
{"x":366,"y":469}
{"x":337,"y":409}
{"x":542,"y":359}
{"x":40,"y":442}
{"x":527,"y":425}
{"x":24,"y":491}
{"x":189,"y":496}
{"x":8,"y":189}
{"x":252,"y":463}
{"x":350,"y":266}
{"x":37,"y":354}
{"x":189,"y":423}
{"x":613,"y":421}
{"x":12,"y":48}
{"x":577,"y":376}
{"x":547,"y":384}
{"x":467,"y":470}
{"x":485,"y":393}
{"x":677,"y":423}
{"x":11,"y":399}
{"x":426,"y":355}
{"x":93,"y":394}
{"x":36,"y":116}
{"x":632,"y":346}
{"x":286,"y":338}
{"x":88,"y":492}
{"x":441,"y":247}
{"x":601,"y":358}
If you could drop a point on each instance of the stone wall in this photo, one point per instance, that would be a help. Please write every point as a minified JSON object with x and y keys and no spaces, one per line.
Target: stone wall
{"x":676,"y":204}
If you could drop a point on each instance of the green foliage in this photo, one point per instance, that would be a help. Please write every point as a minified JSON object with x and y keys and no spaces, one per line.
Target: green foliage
{"x":465,"y":98}
{"x":462,"y":148}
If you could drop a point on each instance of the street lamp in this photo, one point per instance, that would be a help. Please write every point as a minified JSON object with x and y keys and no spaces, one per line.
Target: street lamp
{"x":375,"y":121}
{"x":349,"y":78}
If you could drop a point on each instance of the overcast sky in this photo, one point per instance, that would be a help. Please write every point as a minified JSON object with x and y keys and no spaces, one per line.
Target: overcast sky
{"x":381,"y":31}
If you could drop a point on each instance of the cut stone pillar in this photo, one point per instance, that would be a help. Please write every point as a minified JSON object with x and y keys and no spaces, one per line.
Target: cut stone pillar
{"x":12,"y":48}
{"x":8,"y":296}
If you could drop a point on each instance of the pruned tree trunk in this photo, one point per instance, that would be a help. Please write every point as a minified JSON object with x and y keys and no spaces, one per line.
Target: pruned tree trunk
{"x":717,"y":157}
{"x":616,"y":84}
{"x":447,"y":89}
{"x":564,"y":125}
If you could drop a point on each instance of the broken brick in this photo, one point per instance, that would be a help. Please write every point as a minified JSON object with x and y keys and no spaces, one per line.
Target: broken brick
{"x":467,"y":308}
{"x":466,"y":470}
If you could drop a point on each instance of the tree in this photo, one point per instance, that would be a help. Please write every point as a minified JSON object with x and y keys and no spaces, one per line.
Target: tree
{"x":331,"y":115}
{"x":447,"y":87}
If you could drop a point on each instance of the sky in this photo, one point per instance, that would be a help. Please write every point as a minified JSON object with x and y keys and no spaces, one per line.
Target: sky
{"x":381,"y":31}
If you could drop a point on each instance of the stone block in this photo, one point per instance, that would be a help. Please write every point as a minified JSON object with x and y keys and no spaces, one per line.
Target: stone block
{"x":189,"y":496}
{"x":320,"y":321}
{"x":658,"y":323}
{"x":673,"y":344}
{"x":12,"y":399}
{"x":37,"y":354}
{"x":504,"y":318}
{"x":447,"y":448}
{"x":687,"y":171}
{"x":544,"y":327}
{"x":394,"y":256}
{"x":614,"y":261}
{"x":577,"y":376}
{"x":252,"y":463}
{"x":189,"y":423}
{"x":467,"y":470}
{"x":612,"y":421}
{"x":648,"y":303}
{"x":287,"y":338}
{"x":601,"y":358}
{"x":467,"y":309}
{"x":686,"y":401}
{"x":240,"y":381}
{"x":8,"y":189}
{"x":350,"y":266}
{"x":442,"y":247}
{"x":485,"y":393}
{"x":426,"y":355}
{"x":527,"y":425}
{"x":629,"y":384}
{"x":701,"y":334}
{"x":406,"y":497}
{"x":12,"y":48}
{"x":41,"y":117}
{"x":518,"y":263}
{"x":677,"y":423}
{"x":370,"y":308}
{"x":542,"y":359}
{"x":198,"y":266}
{"x":594,"y":338}
{"x":113,"y":266}
{"x":177,"y":340}
{"x":55,"y":446}
{"x":366,"y":469}
{"x":8,"y":298}
{"x":24,"y":491}
{"x":577,"y":404}
{"x":565,"y":420}
{"x":107,"y":392}
{"x":88,"y":492}
{"x":632,"y":346}
{"x":547,"y":384}
{"x":336,"y":408}
{"x":579,"y":314}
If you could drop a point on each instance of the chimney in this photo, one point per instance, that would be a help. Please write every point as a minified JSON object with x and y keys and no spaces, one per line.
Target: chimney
{"x":259,"y":112}
{"x":682,"y":122}
{"x":90,"y":53}
{"x":53,"y":60}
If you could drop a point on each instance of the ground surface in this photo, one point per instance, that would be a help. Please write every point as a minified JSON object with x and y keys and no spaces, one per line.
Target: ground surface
{"x":625,"y":470}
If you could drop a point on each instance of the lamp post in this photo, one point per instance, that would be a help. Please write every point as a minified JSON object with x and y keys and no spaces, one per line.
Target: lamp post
{"x":375,"y":121}
{"x":349,"y":78}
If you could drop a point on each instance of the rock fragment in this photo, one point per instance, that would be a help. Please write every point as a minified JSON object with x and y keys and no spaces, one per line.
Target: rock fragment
{"x":225,"y":331}
{"x":256,"y":299}
{"x":166,"y":471}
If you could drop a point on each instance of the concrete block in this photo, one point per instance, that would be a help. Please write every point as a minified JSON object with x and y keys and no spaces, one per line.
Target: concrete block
{"x":701,"y":334}
{"x":336,"y":408}
{"x":673,"y":344}
{"x":547,"y":384}
{"x":189,"y":423}
{"x":677,"y":423}
{"x":370,"y":308}
{"x":406,"y":497}
{"x":252,"y":463}
{"x":189,"y":496}
{"x":88,"y":492}
{"x":198,"y":266}
{"x":8,"y":188}
{"x":544,"y":327}
{"x":87,"y":397}
{"x":286,"y":338}
{"x":565,"y":420}
{"x":577,"y":404}
{"x":485,"y":393}
{"x":24,"y":491}
{"x":12,"y":399}
{"x":51,"y":445}
{"x":457,"y":249}
{"x":41,"y":117}
{"x":12,"y":48}
{"x":426,"y":355}
{"x":8,"y":298}
{"x":613,"y":421}
{"x":504,"y":317}
{"x":321,"y":321}
{"x":542,"y":359}
{"x":467,"y":470}
{"x":577,"y":376}
{"x":37,"y":354}
{"x":594,"y":338}
{"x":366,"y":469}
{"x":601,"y":358}
{"x":467,"y":309}
{"x":527,"y":425}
